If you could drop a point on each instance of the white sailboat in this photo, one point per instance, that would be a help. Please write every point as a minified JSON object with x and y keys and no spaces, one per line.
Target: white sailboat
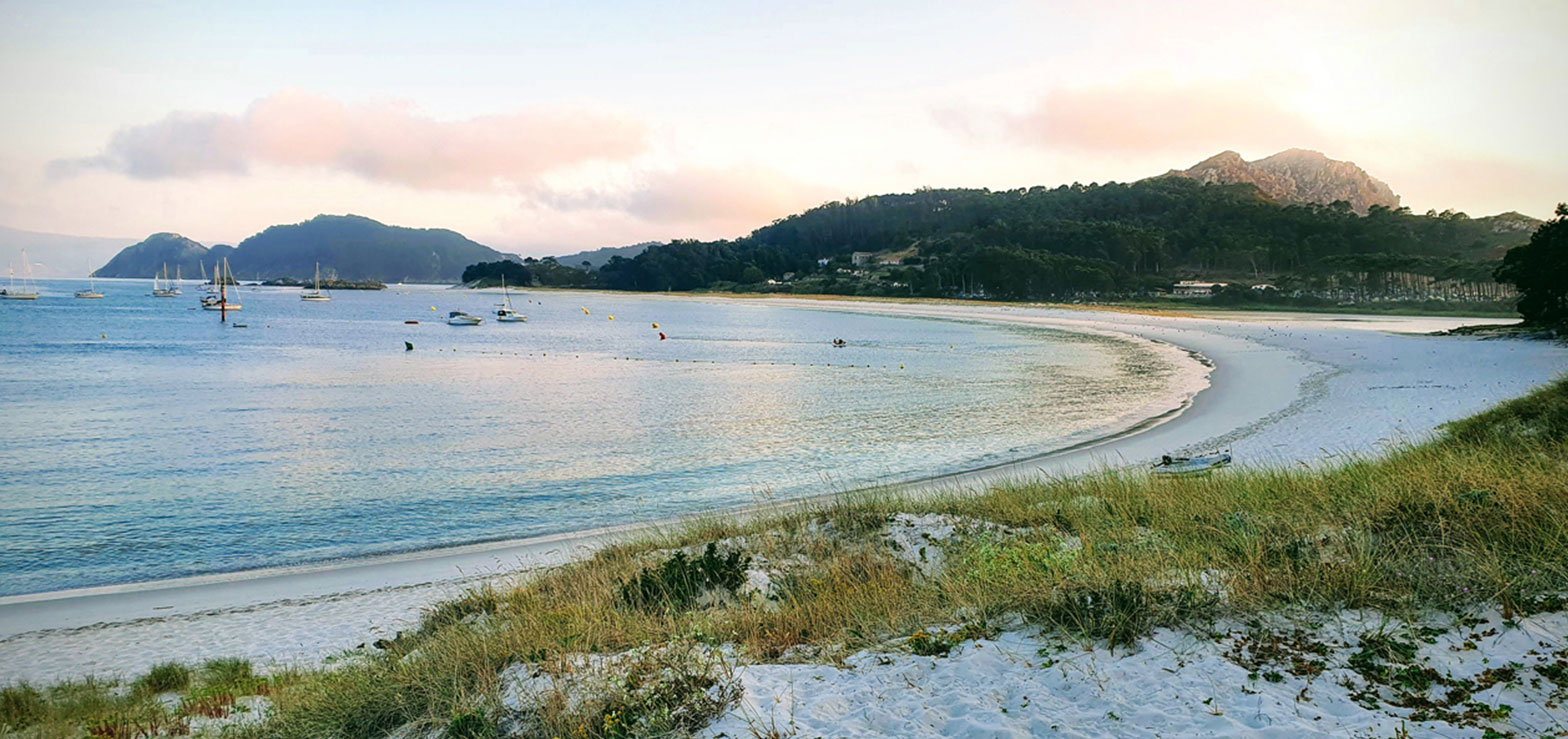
{"x":163,"y":289}
{"x":315,"y":295}
{"x":91,"y":291}
{"x":220,"y":302}
{"x":208,"y":286}
{"x":504,"y":312}
{"x":27,"y":291}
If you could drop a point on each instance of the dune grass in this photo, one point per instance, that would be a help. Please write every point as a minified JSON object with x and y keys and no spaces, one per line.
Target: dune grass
{"x":1475,"y":518}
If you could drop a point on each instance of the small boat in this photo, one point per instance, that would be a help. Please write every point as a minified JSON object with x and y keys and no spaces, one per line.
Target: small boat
{"x":221,"y":302}
{"x":163,"y":289}
{"x":91,"y":291}
{"x":315,"y":295}
{"x":459,"y":318}
{"x":840,"y":343}
{"x":503,"y":311}
{"x":27,"y":291}
{"x":1169,"y":465}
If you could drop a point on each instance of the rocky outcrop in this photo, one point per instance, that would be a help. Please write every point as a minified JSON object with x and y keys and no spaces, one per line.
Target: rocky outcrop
{"x":1296,"y":176}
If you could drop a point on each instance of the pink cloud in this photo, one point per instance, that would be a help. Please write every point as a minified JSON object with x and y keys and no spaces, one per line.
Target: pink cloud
{"x":380,"y":142}
{"x":749,"y":195}
{"x":1154,"y":117}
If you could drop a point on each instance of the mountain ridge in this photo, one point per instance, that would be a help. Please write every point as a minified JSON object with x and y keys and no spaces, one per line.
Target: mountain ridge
{"x":348,"y":247}
{"x":1296,"y":176}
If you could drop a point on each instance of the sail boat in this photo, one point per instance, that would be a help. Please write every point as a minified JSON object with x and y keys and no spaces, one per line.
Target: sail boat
{"x":91,"y":292}
{"x":28,"y":292}
{"x":314,"y":294}
{"x":503,"y":311}
{"x":174,"y":287}
{"x":163,"y":289}
{"x":220,"y":302}
{"x":209,"y":286}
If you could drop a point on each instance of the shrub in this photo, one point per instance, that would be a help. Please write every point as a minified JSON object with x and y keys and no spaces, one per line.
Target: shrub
{"x":226,"y":671}
{"x":21,"y":705}
{"x":163,"y":678}
{"x":681,"y":580}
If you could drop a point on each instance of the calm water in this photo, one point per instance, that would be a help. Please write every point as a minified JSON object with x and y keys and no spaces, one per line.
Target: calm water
{"x":142,"y":440}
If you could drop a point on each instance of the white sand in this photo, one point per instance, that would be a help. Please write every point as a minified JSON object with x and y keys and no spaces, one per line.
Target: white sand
{"x":1172,"y":684}
{"x":1285,"y":389}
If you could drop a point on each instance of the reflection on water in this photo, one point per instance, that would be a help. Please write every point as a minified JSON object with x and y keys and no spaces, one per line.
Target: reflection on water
{"x":142,"y":440}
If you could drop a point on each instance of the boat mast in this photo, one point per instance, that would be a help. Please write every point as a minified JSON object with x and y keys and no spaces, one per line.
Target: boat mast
{"x":223,"y":297}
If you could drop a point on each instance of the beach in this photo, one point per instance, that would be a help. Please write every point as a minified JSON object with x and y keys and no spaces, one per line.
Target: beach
{"x":1283,"y":390}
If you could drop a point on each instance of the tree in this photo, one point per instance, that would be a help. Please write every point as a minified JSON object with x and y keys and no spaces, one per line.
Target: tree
{"x":1540,"y":270}
{"x":751,"y":274}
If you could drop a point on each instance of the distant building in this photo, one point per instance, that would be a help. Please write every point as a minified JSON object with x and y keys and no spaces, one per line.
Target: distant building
{"x":861,"y":258}
{"x":1195,"y":289}
{"x":823,"y":262}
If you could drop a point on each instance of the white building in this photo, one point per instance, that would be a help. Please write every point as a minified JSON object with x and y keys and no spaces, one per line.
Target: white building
{"x":1195,"y":289}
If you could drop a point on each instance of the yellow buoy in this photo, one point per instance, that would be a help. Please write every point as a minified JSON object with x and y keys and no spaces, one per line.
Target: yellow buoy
{"x":585,"y":310}
{"x":655,"y":324}
{"x":432,"y":307}
{"x":103,"y":336}
{"x":612,"y":318}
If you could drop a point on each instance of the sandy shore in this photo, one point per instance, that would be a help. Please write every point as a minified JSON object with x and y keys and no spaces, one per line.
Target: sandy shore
{"x":1285,"y":389}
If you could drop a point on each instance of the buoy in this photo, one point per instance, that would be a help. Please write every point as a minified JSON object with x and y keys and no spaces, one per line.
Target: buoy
{"x":103,"y":336}
{"x":655,"y":324}
{"x":901,"y":366}
{"x":408,"y":346}
{"x":662,"y":337}
{"x":612,"y":318}
{"x":412,"y":323}
{"x":432,"y":307}
{"x":585,"y":310}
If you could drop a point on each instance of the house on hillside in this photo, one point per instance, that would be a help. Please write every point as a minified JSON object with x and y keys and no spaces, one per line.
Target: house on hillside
{"x":1195,"y":289}
{"x":861,"y":258}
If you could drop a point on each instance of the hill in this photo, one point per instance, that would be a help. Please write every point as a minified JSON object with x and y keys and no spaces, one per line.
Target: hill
{"x":1296,"y":176}
{"x":348,"y":247}
{"x":597,"y":258}
{"x":150,"y":255}
{"x":1076,"y":240}
{"x":57,"y":255}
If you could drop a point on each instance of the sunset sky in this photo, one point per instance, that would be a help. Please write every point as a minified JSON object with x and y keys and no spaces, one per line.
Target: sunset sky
{"x":551,"y":127}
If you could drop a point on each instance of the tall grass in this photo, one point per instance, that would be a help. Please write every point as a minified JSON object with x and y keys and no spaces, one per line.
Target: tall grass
{"x":1476,"y":517}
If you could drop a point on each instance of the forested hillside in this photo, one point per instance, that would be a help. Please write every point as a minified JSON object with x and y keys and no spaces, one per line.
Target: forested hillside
{"x":1044,"y":242}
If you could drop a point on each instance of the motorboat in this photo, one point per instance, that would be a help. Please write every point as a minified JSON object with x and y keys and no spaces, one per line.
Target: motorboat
{"x":1170,"y":465}
{"x":459,"y":318}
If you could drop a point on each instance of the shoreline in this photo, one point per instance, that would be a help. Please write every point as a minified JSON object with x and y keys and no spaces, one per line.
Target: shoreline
{"x":303,"y":614}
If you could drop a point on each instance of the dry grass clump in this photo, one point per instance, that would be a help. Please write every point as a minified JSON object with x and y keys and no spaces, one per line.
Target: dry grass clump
{"x":634,"y":640}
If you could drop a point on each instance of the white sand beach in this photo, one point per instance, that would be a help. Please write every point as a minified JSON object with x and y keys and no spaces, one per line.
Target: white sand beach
{"x":1284,"y":390}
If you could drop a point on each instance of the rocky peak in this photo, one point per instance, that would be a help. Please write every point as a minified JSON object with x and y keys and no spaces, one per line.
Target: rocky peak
{"x":1296,"y":176}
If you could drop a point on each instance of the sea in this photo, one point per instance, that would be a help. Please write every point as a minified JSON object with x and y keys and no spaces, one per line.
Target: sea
{"x":143,"y":439}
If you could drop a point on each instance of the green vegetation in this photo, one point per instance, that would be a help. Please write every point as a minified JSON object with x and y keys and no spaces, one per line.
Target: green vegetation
{"x":1540,"y":270}
{"x":1044,"y":243}
{"x":164,"y":677}
{"x":626,"y":643}
{"x":490,"y":274}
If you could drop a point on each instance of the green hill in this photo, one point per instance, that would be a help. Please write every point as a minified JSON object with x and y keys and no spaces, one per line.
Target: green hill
{"x":1049,"y":242}
{"x":347,"y":247}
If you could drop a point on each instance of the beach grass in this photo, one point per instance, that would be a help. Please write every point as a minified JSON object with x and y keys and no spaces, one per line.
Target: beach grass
{"x":625,"y":642}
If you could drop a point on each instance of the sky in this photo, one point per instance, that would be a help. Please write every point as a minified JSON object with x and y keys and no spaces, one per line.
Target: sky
{"x":549,"y":127}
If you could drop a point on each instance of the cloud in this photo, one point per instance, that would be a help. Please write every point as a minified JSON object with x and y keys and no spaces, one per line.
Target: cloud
{"x":746,"y":194}
{"x":1157,"y":116}
{"x":388,"y":143}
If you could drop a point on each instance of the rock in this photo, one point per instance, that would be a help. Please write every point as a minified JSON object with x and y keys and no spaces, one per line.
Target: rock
{"x":1296,"y":176}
